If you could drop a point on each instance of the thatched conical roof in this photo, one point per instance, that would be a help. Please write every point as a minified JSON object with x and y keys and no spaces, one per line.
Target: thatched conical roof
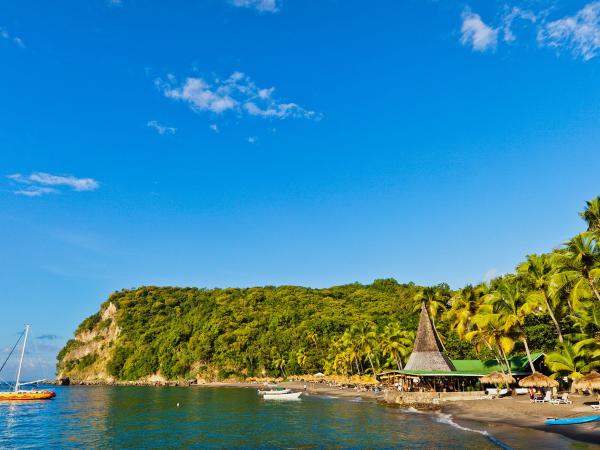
{"x":427,"y":352}
{"x":590,"y":381}
{"x":497,"y":378}
{"x":538,"y":380}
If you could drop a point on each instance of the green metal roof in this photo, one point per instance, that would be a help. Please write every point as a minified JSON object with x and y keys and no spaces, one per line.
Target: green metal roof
{"x":519,"y":365}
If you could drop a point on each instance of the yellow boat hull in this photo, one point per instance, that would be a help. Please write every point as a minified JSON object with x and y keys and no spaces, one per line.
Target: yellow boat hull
{"x":30,"y":395}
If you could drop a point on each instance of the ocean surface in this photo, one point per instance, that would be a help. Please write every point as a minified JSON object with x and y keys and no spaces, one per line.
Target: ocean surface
{"x":147,"y":417}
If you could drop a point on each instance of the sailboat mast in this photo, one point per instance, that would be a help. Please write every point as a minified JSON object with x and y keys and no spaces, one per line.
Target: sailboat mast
{"x":21,"y":361}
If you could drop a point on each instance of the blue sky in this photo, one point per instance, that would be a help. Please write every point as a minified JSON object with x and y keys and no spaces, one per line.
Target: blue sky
{"x":239,"y":143}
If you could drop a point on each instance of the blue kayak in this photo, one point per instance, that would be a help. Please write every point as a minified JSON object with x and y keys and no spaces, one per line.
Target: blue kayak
{"x":572,"y":420}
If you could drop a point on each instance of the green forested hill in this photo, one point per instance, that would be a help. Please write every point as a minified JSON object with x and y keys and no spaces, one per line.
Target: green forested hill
{"x":259,"y":331}
{"x":551,"y":303}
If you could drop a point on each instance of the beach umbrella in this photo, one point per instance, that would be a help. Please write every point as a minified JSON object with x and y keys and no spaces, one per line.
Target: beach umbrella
{"x":496,"y":378}
{"x":537,"y":379}
{"x":590,"y":381}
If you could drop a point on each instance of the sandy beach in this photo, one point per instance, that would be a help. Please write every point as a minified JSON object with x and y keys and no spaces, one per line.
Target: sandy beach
{"x":520,"y":412}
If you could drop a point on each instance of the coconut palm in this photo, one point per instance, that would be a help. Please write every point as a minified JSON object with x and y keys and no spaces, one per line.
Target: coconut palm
{"x":574,"y":359}
{"x":365,"y":337}
{"x":463,"y":306}
{"x":508,"y":301}
{"x":538,"y":270}
{"x":591,"y":214}
{"x":488,"y":328}
{"x":578,"y":269}
{"x":396,"y":343}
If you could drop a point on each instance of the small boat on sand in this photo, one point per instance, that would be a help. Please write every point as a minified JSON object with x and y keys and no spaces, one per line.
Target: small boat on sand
{"x":286,"y":396}
{"x":22,"y":394}
{"x":572,"y":420}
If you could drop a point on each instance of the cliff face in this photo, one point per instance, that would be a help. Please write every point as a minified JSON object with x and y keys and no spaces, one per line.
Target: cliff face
{"x":85,"y":357}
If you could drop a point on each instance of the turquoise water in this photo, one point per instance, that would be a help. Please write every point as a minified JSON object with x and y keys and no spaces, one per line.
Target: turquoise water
{"x":146,"y":417}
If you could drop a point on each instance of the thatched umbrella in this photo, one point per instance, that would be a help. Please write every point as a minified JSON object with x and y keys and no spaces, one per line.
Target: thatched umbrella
{"x":496,"y":378}
{"x":537,"y":379}
{"x":590,"y":381}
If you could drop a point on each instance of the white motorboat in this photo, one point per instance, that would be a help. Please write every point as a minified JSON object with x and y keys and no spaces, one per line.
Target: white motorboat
{"x":276,"y":391}
{"x":287,"y":396}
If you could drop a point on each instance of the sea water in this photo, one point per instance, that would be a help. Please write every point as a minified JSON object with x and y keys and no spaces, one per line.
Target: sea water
{"x":172,"y":417}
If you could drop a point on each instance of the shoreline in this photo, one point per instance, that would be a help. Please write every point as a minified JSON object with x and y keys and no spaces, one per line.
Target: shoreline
{"x":521,"y":413}
{"x":497,"y":417}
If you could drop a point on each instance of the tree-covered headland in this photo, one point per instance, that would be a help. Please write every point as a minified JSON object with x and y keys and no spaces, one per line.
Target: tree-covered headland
{"x":550,"y":303}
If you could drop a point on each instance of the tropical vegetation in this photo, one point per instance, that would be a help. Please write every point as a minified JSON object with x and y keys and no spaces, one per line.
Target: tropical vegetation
{"x":551,"y":303}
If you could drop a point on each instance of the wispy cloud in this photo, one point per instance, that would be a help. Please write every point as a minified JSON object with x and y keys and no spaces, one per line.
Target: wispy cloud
{"x":41,"y":183}
{"x":579,"y":33}
{"x":161,"y":129}
{"x":271,"y":6}
{"x":214,"y":127}
{"x":252,"y":139}
{"x":510,"y":16}
{"x":4,"y":34}
{"x":237,"y":93}
{"x":477,"y":34}
{"x":48,"y":337}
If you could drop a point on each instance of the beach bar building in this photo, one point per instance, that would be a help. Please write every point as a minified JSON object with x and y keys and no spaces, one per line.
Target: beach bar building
{"x":429,"y":368}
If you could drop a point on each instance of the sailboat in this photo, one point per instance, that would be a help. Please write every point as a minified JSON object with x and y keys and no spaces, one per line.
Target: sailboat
{"x":22,"y":394}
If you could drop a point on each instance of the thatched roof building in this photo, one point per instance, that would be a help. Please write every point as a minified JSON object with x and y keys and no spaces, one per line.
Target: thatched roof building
{"x":428,"y":360}
{"x":427,"y":352}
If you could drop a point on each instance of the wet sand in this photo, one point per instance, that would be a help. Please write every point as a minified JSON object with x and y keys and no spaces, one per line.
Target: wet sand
{"x":520,"y":412}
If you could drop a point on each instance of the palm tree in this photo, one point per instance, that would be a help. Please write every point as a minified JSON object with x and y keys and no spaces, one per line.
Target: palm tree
{"x":592,"y":214}
{"x":365,"y":337}
{"x":537,"y":269}
{"x":508,"y":301}
{"x":578,"y":268}
{"x":396,"y":343}
{"x":463,"y":306}
{"x":574,"y":360}
{"x":301,"y":358}
{"x":488,"y":327}
{"x":279,"y":362}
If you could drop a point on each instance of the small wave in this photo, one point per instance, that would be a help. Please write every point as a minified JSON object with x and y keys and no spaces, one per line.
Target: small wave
{"x":411,"y":410}
{"x":447,"y":419}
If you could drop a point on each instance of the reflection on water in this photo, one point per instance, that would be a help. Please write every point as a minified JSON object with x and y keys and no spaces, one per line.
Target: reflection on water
{"x":142,"y":417}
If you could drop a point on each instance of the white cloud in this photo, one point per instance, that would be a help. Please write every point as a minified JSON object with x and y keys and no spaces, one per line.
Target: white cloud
{"x":579,"y":33}
{"x":41,"y":183}
{"x":252,"y":139}
{"x":4,"y":34}
{"x":509,"y":17}
{"x":161,"y":129}
{"x":35,"y":191}
{"x":238,"y":94}
{"x":214,"y":127}
{"x":476,"y":33}
{"x":260,"y":5}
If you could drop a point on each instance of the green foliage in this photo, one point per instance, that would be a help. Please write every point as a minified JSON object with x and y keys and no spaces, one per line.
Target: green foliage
{"x":71,"y":345}
{"x":89,"y":323}
{"x":551,"y":304}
